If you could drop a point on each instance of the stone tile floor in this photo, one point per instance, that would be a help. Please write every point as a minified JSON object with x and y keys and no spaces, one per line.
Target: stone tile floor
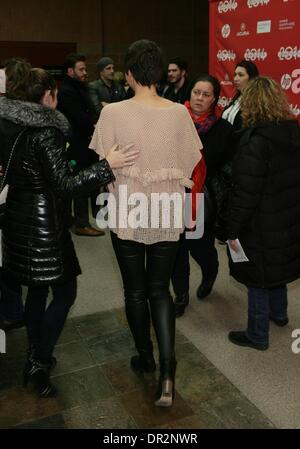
{"x":98,"y":390}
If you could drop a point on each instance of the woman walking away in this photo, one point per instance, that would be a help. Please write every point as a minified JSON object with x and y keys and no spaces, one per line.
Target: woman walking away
{"x":169,"y":148}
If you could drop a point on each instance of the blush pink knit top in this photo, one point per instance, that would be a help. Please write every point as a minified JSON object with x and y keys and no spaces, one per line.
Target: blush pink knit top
{"x":169,"y":148}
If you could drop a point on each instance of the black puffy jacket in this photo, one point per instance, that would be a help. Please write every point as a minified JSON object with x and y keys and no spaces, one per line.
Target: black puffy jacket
{"x":37,"y":246}
{"x":265,"y":205}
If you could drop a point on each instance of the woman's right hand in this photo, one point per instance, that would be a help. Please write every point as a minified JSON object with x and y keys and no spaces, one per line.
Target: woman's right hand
{"x":121,"y":157}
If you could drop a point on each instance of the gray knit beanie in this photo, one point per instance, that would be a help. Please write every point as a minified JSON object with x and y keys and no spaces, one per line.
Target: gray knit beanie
{"x":103,"y":62}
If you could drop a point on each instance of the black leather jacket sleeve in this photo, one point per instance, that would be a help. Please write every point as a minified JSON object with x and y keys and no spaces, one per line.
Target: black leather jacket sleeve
{"x":50,"y":147}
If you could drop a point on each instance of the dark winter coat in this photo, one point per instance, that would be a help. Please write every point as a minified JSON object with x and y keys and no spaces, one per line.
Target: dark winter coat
{"x":181,"y":96}
{"x":265,"y":205}
{"x":74,"y":102}
{"x":101,"y":92}
{"x":217,"y":146}
{"x":218,"y":153}
{"x":37,"y":246}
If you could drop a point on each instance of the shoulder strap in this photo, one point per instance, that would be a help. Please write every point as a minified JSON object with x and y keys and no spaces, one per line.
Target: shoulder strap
{"x":11,"y":156}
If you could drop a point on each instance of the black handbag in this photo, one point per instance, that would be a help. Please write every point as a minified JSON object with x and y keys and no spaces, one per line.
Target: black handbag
{"x":3,"y":182}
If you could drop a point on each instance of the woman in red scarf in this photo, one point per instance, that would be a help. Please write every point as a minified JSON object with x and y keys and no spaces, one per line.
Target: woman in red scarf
{"x":215,"y":134}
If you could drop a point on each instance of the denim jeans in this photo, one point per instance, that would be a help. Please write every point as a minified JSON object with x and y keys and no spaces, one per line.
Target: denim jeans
{"x":264,"y":303}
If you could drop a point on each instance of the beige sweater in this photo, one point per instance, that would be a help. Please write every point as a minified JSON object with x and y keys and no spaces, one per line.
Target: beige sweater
{"x":169,"y":150}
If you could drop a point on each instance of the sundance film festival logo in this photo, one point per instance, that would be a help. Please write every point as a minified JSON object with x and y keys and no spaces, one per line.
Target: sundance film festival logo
{"x":288,"y":53}
{"x":256,"y":3}
{"x":2,"y":342}
{"x":224,"y":101}
{"x":227,"y":5}
{"x":225,"y":30}
{"x":291,"y":81}
{"x":226,"y":55}
{"x":243,"y":31}
{"x":157,"y":211}
{"x":286,"y":81}
{"x":295,"y":109}
{"x":255,"y":54}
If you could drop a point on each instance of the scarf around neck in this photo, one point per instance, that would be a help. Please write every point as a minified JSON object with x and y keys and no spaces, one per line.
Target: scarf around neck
{"x":203,"y":122}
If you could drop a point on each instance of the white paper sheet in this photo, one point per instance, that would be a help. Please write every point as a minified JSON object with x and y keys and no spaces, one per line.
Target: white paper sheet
{"x":237,"y":256}
{"x":3,"y":194}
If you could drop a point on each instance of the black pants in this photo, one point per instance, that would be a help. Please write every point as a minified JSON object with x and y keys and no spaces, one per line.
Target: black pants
{"x":146,"y":272}
{"x":44,"y":325}
{"x":11,"y":305}
{"x":203,"y":252}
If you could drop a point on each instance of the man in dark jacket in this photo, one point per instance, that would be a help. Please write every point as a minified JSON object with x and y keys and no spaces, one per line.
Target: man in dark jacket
{"x":177,"y":79}
{"x":74,"y":103}
{"x":105,"y":90}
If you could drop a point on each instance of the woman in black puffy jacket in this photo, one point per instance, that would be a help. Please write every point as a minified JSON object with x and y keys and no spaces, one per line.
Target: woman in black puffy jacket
{"x":37,"y":247}
{"x":265,"y":208}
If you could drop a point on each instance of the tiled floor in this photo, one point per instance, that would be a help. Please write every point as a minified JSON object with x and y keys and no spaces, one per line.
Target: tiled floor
{"x":97,"y":388}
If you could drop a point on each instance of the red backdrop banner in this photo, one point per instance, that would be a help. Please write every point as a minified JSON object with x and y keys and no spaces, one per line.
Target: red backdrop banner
{"x":265,"y":32}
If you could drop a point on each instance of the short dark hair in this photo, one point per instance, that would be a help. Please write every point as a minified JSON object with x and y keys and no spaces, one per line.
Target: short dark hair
{"x":181,"y":63}
{"x":72,"y":58}
{"x":144,"y":59}
{"x":39,"y":82}
{"x":17,"y":72}
{"x":209,"y":79}
{"x":250,"y":68}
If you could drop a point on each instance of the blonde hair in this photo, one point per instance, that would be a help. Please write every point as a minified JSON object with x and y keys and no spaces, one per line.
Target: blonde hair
{"x":263,"y":101}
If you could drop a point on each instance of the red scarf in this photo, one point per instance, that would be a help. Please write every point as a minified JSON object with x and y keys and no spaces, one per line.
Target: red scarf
{"x":205,"y":121}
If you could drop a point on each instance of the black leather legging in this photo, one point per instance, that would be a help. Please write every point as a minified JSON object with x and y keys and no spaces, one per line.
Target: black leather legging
{"x":146,"y":272}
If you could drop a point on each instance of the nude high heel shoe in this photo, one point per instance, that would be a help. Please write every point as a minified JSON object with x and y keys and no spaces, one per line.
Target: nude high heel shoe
{"x":166,"y":385}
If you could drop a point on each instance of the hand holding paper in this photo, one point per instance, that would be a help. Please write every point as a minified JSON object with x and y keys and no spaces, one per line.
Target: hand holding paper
{"x":236,"y":251}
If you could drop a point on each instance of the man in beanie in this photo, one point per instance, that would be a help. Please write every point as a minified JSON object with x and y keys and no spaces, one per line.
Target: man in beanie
{"x":105,"y":90}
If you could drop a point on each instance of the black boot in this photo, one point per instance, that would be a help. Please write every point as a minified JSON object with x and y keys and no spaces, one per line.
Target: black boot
{"x":37,"y":374}
{"x":280,"y":321}
{"x":205,"y":287}
{"x":240,"y":338}
{"x":143,"y":363}
{"x":166,"y":384}
{"x":31,"y":355}
{"x":181,"y":302}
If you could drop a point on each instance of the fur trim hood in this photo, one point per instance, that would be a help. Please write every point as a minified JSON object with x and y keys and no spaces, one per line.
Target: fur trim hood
{"x":33,"y":115}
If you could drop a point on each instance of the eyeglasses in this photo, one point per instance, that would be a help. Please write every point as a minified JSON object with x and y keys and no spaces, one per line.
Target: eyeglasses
{"x":204,"y":94}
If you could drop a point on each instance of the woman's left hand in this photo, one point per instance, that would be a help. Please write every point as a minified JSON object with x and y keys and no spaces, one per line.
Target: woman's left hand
{"x":122,"y":157}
